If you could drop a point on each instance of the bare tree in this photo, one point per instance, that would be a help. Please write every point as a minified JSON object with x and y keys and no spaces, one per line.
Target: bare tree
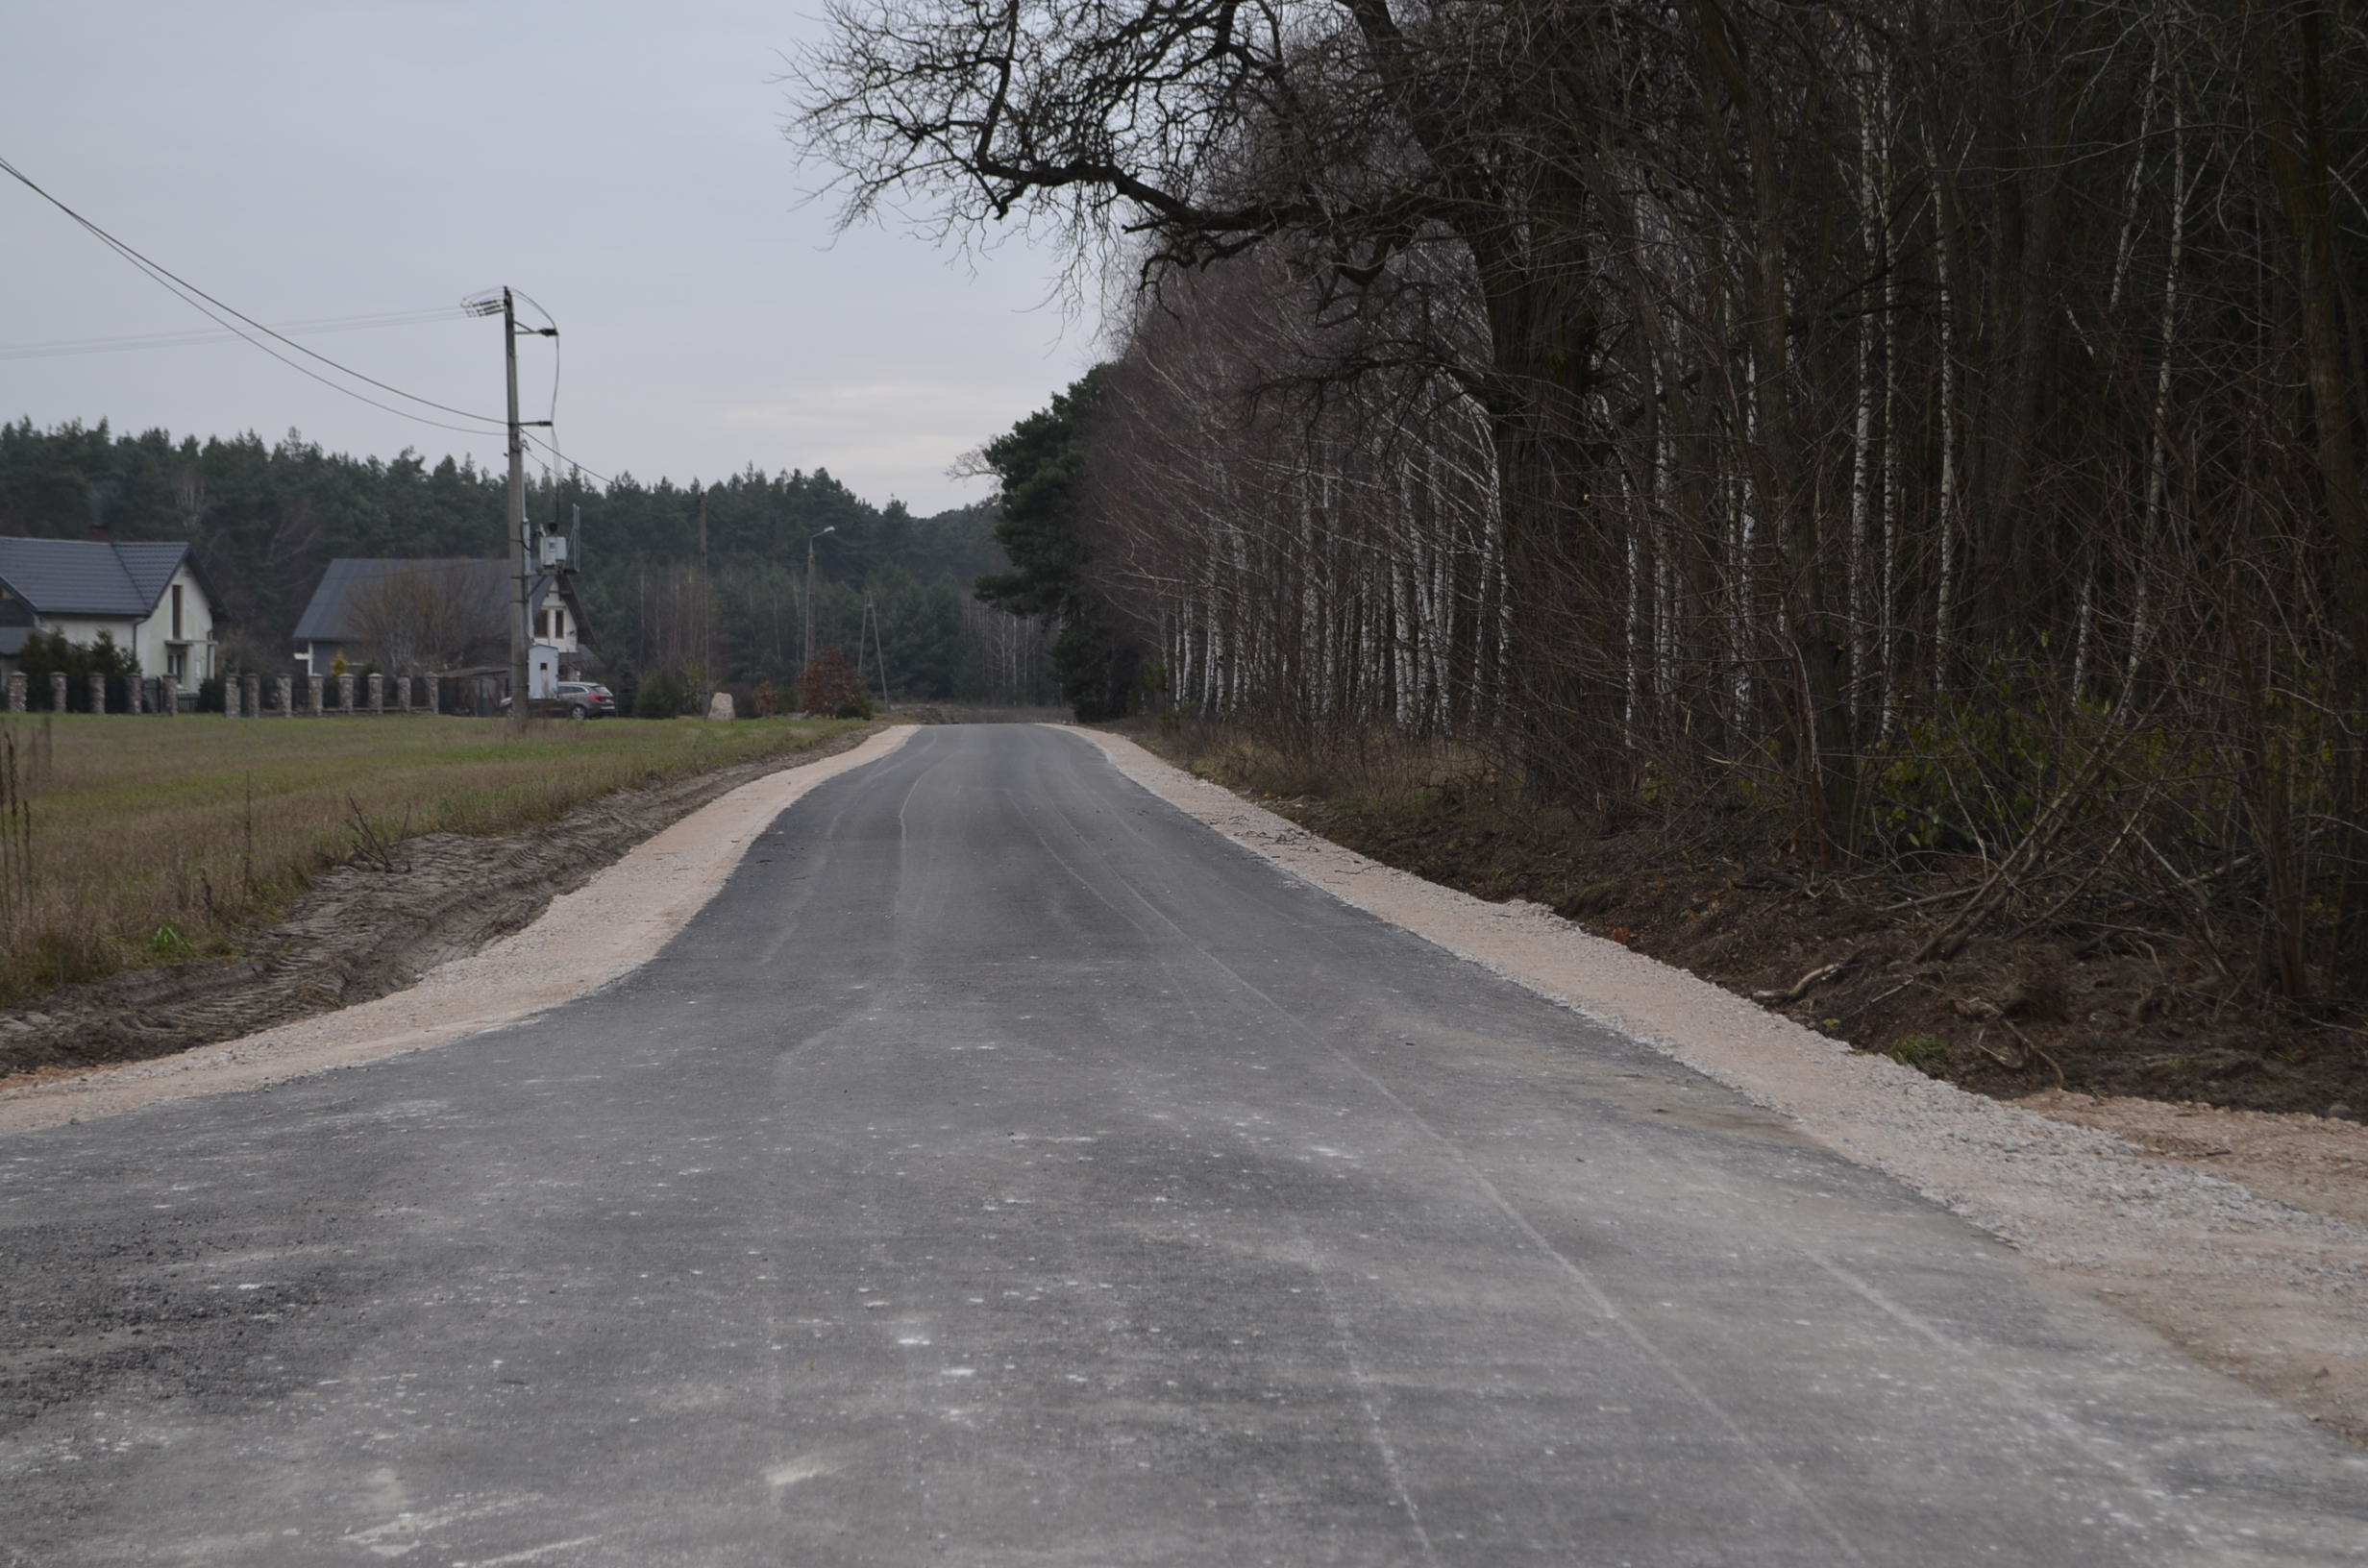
{"x":421,"y":619}
{"x":1882,"y":426}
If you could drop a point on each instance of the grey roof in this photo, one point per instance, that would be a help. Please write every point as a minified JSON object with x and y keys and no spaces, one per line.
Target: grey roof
{"x":151,"y":565}
{"x":84,"y":576}
{"x":332,"y":615}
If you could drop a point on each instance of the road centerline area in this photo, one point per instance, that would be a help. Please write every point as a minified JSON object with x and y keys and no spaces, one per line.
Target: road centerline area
{"x":1004,"y":1169}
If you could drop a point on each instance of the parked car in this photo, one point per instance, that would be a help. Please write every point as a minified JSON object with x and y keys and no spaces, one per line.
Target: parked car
{"x":575,"y":699}
{"x":585,"y":699}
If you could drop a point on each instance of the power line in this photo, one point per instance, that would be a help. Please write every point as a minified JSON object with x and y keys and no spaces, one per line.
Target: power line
{"x":553,"y":321}
{"x":588,"y":472}
{"x":184,"y":290}
{"x":62,"y":347}
{"x":551,"y":420}
{"x":190,"y":294}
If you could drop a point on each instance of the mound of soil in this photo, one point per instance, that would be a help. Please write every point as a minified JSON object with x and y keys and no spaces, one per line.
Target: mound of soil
{"x":362,"y":930}
{"x":2108,"y":1013}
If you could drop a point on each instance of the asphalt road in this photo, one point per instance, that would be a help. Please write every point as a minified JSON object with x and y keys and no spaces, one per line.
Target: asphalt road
{"x":1004,"y":1169}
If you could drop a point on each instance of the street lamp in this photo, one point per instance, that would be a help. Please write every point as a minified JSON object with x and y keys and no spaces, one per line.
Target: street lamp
{"x":809,"y":603}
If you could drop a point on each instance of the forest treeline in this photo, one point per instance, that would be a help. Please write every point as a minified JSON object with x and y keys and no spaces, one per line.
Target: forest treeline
{"x":719,"y":601}
{"x":1911,"y":428}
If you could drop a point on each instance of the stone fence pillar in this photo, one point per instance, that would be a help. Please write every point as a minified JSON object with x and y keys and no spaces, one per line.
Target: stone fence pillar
{"x":229,"y":697}
{"x":255,"y":696}
{"x":316,"y":686}
{"x":136,"y":695}
{"x":403,"y":693}
{"x":16,"y":691}
{"x":436,"y":694}
{"x":345,"y":693}
{"x":286,"y":686}
{"x":378,"y":693}
{"x":98,"y":692}
{"x":57,"y":690}
{"x":169,"y":702}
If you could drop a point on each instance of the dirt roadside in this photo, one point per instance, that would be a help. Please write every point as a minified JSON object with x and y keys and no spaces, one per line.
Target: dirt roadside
{"x":2309,"y":1162}
{"x":584,"y":940}
{"x":362,"y":930}
{"x":2242,"y":1236}
{"x":2007,"y":1013}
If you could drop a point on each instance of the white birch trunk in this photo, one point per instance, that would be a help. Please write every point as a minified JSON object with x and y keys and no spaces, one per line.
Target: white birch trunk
{"x":2157,"y":444}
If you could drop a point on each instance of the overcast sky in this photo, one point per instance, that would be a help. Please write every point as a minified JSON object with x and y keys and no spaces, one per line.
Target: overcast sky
{"x":622,"y":163}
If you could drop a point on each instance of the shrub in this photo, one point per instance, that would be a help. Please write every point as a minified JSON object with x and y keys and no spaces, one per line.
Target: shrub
{"x":48,"y":653}
{"x":832,"y":687}
{"x":665,"y":694}
{"x":1925,"y":1053}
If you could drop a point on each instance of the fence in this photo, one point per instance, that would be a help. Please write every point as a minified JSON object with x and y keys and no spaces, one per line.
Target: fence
{"x":244,"y":695}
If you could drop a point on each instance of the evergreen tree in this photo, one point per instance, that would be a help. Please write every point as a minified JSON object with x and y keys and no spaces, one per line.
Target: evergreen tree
{"x":1041,"y":462}
{"x":264,"y":519}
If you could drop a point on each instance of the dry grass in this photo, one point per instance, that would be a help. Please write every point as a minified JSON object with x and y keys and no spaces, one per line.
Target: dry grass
{"x":1375,"y":771}
{"x":153,"y":841}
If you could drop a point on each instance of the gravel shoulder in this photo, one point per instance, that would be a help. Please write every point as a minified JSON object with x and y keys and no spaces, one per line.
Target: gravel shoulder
{"x":2241,"y":1237}
{"x":611,"y":922}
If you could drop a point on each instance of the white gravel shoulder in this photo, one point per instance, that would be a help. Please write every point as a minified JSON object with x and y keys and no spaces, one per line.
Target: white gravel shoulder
{"x":584,"y":939}
{"x":2276,"y":1293}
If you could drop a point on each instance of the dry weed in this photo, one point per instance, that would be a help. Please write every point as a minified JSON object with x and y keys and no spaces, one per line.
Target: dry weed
{"x":156,"y":841}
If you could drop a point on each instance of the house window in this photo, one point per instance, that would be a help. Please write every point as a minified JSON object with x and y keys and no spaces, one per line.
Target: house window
{"x":176,"y":616}
{"x":173,"y":662}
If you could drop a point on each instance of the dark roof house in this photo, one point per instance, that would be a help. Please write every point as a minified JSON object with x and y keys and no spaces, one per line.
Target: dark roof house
{"x":148,"y":594}
{"x":88,"y":578}
{"x":474,"y":594}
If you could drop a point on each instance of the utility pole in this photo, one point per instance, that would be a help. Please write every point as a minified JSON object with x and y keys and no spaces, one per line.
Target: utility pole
{"x":809,"y":603}
{"x":706,"y":615}
{"x":519,"y":632}
{"x":879,"y":653}
{"x":522,"y":565}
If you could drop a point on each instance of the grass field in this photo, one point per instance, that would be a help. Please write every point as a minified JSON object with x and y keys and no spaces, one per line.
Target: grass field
{"x":134,"y":841}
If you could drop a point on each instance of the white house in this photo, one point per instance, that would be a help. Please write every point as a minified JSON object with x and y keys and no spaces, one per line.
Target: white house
{"x":148,"y":594}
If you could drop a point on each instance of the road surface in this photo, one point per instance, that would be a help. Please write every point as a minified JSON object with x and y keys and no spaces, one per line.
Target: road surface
{"x":1006,"y":1169}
